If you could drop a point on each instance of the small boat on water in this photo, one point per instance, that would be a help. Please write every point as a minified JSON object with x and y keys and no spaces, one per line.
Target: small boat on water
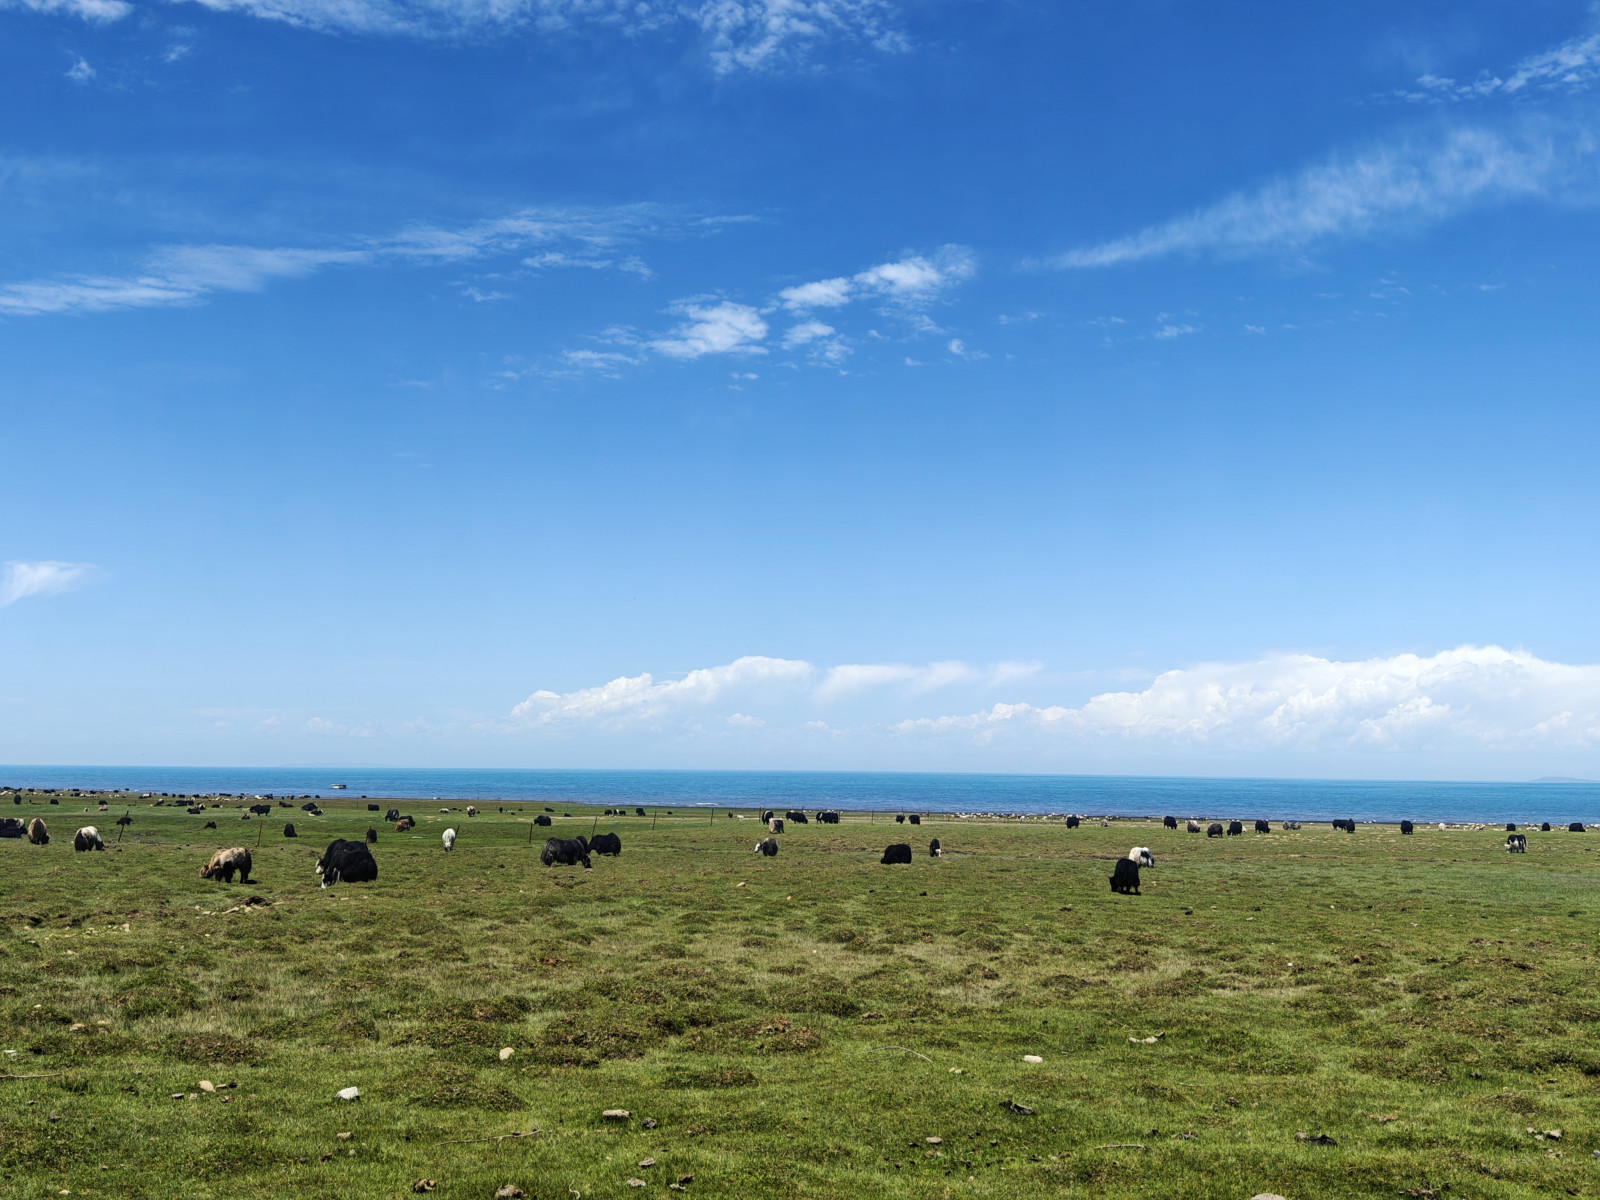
{"x":339,"y":787}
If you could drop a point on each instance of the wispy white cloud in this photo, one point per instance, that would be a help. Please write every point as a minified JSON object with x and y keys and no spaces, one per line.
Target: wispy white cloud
{"x":44,"y":578}
{"x":911,"y":281}
{"x":1169,"y":330}
{"x":1480,"y":697}
{"x":81,"y":71}
{"x":713,"y":328}
{"x":736,"y":35}
{"x":88,"y":10}
{"x":1423,"y":178}
{"x":186,"y":274}
{"x":1573,"y":66}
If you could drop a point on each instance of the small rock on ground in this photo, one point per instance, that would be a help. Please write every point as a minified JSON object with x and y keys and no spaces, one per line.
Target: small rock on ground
{"x":510,"y":1192}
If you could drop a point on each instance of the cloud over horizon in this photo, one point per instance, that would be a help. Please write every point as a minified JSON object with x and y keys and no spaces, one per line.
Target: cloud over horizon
{"x":1477,"y":699}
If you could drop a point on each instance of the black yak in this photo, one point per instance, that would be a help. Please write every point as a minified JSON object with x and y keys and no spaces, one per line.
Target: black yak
{"x":1545,"y":828}
{"x":898,"y":853}
{"x":392,"y":815}
{"x":1575,"y":827}
{"x":372,"y":808}
{"x":288,"y":830}
{"x":914,"y":819}
{"x":934,"y":849}
{"x":606,"y":843}
{"x":1214,"y":829}
{"x":569,"y":852}
{"x":795,"y":815}
{"x":1263,"y":827}
{"x":899,"y":818}
{"x":639,"y":811}
{"x":1169,"y":822}
{"x":1406,"y":827}
{"x":1125,"y":875}
{"x":828,"y":818}
{"x":347,"y":862}
{"x":1235,"y":828}
{"x":541,"y":819}
{"x":1072,"y":822}
{"x":12,"y":827}
{"x":768,"y":847}
{"x":372,"y":836}
{"x":1511,"y":826}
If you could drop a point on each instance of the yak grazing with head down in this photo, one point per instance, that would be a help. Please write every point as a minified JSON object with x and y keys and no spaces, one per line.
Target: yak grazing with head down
{"x":1125,"y":875}
{"x":606,"y":843}
{"x":569,"y":852}
{"x":347,"y":862}
{"x":225,"y":862}
{"x":898,"y":853}
{"x":87,"y":838}
{"x":37,"y":833}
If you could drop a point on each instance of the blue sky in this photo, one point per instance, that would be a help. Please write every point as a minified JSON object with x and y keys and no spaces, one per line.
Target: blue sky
{"x":801,"y":383}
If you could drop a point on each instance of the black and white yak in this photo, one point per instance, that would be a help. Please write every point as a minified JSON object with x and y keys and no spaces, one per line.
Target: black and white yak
{"x":1125,"y":875}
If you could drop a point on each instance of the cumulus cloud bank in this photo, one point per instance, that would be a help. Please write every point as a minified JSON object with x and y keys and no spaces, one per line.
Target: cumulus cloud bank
{"x":781,"y":681}
{"x":1470,"y":703}
{"x":1479,"y":697}
{"x":45,"y":578}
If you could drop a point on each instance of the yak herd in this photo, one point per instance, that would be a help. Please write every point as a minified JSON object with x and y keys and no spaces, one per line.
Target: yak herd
{"x":352,"y":862}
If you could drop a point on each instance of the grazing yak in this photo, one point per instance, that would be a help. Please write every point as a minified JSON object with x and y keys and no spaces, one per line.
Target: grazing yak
{"x":766,"y":815}
{"x":288,"y":829}
{"x":347,"y":862}
{"x":1347,"y":826}
{"x":392,"y":815}
{"x":11,"y":827}
{"x":1235,"y":828}
{"x":1194,"y":826}
{"x":1545,"y":828}
{"x":1169,"y":822}
{"x":225,"y":862}
{"x":472,"y":810}
{"x":795,"y":815}
{"x":1406,"y":827}
{"x":261,"y":810}
{"x":828,"y":818}
{"x":87,"y":838}
{"x":1511,"y":826}
{"x":541,"y":820}
{"x":209,"y":825}
{"x":449,"y":839}
{"x":606,"y":843}
{"x":1073,"y":822}
{"x":372,"y":836}
{"x":37,"y":833}
{"x":372,"y":808}
{"x":914,"y":819}
{"x":775,"y":825}
{"x":899,"y":818}
{"x":638,"y":810}
{"x":309,"y":806}
{"x":403,"y":824}
{"x":768,"y":847}
{"x":1214,"y":829}
{"x":1290,"y":825}
{"x":1575,"y":827}
{"x":898,"y":853}
{"x":1125,"y":875}
{"x":934,"y":849}
{"x":1263,"y":827}
{"x":1517,"y":843}
{"x":569,"y":852}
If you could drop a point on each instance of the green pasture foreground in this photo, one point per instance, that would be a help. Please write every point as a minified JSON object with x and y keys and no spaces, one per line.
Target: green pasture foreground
{"x":800,"y":1026}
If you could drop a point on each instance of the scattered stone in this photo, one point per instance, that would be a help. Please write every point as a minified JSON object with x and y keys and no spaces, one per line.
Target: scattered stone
{"x":635,"y":1183}
{"x":1033,"y":1058}
{"x":1266,"y":1196}
{"x":327,"y":1156}
{"x":344,"y":1137}
{"x":647,"y":1162}
{"x":1019,"y":1109}
{"x":76,"y":1025}
{"x":616,"y":1114}
{"x":1320,"y":1139}
{"x":648,"y":1123}
{"x":957,"y":1071}
{"x":510,"y":1192}
{"x":506,"y":1052}
{"x":177,"y":1095}
{"x":685,"y":1178}
{"x":349,"y":1093}
{"x":207,"y":1086}
{"x":1553,"y":1134}
{"x":423,"y":1185}
{"x":934,"y":1141}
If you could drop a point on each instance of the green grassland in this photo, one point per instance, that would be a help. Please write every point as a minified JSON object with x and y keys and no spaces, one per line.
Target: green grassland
{"x":798,"y":1026}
